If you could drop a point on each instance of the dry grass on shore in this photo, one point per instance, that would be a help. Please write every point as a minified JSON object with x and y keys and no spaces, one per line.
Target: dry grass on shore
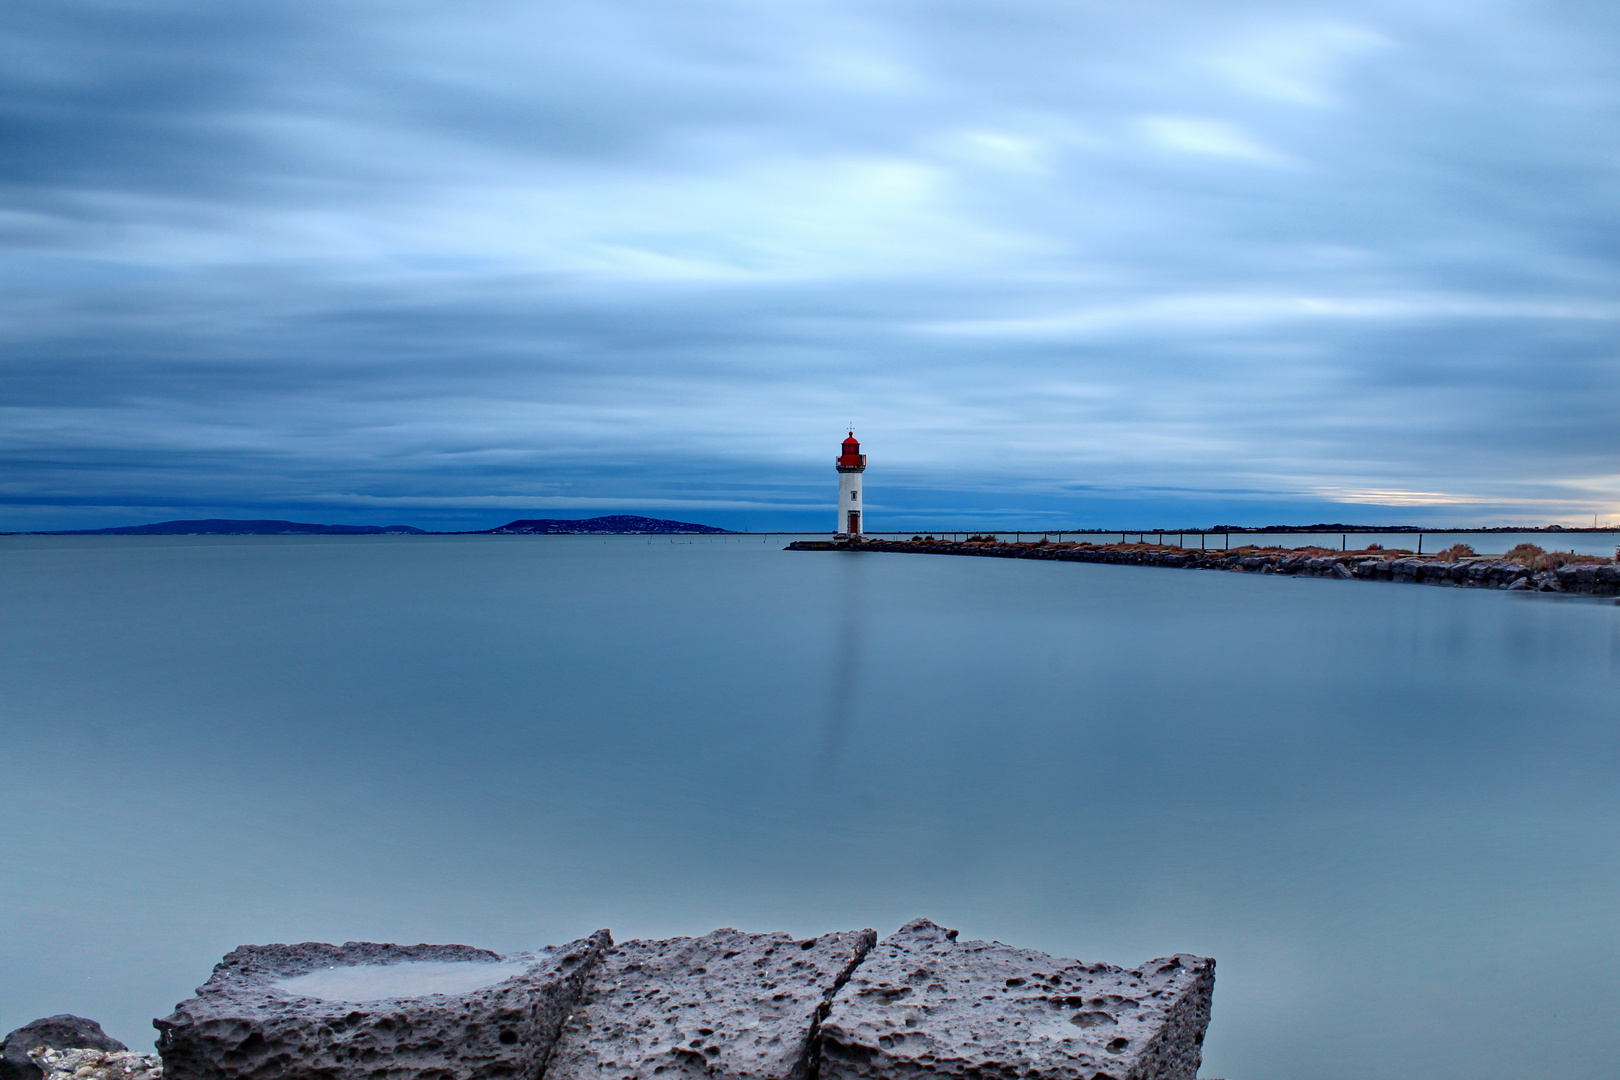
{"x":1536,"y":558}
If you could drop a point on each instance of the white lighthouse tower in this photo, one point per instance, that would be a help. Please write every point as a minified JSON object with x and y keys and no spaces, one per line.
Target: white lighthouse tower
{"x":851,"y":463}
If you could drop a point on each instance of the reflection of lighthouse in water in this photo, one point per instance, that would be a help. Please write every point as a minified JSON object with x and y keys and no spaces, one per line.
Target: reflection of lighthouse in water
{"x":850,"y":466}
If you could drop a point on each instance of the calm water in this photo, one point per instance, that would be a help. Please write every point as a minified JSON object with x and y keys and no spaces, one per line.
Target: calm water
{"x":1391,"y":812}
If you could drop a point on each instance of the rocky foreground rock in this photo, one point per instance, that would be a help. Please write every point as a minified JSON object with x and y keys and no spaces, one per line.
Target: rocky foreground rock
{"x":61,"y":1032}
{"x":244,"y":1025}
{"x":925,"y":1005}
{"x":724,"y":1006}
{"x":729,"y":1004}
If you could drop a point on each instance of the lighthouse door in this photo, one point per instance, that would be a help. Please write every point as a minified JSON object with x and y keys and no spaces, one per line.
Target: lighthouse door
{"x":854,"y":521}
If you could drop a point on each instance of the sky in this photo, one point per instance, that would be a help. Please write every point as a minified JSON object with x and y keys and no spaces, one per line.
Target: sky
{"x":1078,"y":263}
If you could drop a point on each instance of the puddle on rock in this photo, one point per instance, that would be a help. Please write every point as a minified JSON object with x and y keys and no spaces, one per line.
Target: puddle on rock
{"x":415,"y":978}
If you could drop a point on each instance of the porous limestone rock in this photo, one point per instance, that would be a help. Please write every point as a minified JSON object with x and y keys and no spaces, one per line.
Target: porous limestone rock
{"x":63,"y":1031}
{"x":726,"y":1005}
{"x":243,"y":1026}
{"x":88,"y":1064}
{"x":924,"y":1005}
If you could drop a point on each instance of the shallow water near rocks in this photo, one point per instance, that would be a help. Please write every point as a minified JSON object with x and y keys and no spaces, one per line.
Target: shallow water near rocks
{"x":1390,"y":811}
{"x":411,"y":979}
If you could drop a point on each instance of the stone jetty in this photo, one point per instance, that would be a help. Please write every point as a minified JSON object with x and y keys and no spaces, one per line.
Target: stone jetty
{"x":725,"y":1006}
{"x":1592,"y":577}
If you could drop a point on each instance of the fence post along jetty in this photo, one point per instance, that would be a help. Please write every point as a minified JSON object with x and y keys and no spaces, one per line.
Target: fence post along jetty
{"x":1523,"y":568}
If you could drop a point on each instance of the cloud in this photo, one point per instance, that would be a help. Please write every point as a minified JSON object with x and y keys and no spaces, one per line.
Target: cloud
{"x":1300,"y":64}
{"x":1048,"y":256}
{"x":1212,"y":138}
{"x":1374,"y":497}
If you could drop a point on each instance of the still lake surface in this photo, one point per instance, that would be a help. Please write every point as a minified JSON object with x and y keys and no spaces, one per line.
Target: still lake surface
{"x":1391,"y":812}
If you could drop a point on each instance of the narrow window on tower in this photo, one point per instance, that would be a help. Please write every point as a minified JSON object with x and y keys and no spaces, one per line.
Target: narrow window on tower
{"x":854,"y":495}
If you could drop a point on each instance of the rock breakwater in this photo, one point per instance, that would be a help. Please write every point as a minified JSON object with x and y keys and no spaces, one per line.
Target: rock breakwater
{"x":1591,"y":578}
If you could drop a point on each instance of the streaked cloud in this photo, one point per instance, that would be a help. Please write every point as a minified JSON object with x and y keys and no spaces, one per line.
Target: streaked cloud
{"x":1389,"y":497}
{"x":1299,"y":64}
{"x":1212,"y":138}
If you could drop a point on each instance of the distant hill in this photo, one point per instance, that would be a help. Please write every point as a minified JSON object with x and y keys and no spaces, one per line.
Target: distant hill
{"x":613,"y":523}
{"x":233,"y":527}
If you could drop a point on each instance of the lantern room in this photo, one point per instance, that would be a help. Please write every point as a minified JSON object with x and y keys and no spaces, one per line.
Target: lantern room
{"x":851,"y":458}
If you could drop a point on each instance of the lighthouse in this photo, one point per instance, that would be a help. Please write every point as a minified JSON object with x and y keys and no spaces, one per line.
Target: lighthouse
{"x":851,"y":463}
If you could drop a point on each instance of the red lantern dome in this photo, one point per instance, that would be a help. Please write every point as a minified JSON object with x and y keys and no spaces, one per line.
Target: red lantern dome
{"x":852,"y":458}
